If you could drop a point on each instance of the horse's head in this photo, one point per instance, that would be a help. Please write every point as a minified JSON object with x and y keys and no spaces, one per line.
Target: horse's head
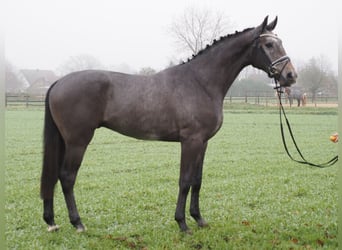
{"x":269,"y":55}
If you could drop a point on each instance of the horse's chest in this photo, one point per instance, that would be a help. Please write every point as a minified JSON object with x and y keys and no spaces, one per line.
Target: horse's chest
{"x":217,"y":123}
{"x":207,"y":123}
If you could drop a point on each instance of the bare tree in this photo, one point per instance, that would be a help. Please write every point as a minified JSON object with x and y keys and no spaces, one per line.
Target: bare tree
{"x":196,"y":28}
{"x":146,"y":71}
{"x":315,"y":75}
{"x":15,"y":82}
{"x":79,"y":62}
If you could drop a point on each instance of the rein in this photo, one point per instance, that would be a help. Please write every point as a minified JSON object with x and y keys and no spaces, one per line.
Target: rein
{"x":303,"y":160}
{"x":274,"y":73}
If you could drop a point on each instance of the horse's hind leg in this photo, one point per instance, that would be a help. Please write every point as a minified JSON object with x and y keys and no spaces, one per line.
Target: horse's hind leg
{"x":67,"y":176}
{"x":49,"y":215}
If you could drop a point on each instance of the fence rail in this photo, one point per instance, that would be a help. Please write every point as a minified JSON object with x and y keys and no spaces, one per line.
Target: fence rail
{"x":24,"y":100}
{"x":265,"y":99}
{"x":271,"y":100}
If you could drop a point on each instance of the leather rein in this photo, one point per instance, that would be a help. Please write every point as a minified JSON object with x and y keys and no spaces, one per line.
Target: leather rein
{"x":274,"y":73}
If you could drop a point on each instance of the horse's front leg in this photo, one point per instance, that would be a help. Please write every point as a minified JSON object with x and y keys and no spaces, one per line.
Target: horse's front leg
{"x":192,"y":155}
{"x":195,"y":190}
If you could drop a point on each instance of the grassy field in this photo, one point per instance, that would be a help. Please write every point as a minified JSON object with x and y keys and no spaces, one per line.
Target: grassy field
{"x":252,"y":195}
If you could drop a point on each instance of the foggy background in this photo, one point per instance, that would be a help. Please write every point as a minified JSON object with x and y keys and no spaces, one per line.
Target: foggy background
{"x":44,"y":34}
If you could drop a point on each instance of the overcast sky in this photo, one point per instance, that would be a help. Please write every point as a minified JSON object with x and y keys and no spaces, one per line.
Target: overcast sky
{"x":42,"y":34}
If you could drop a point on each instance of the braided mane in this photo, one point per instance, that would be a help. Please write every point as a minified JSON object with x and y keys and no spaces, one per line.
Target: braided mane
{"x":216,"y":42}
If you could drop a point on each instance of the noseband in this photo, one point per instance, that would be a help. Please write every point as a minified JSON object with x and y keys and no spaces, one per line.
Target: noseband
{"x":272,"y":71}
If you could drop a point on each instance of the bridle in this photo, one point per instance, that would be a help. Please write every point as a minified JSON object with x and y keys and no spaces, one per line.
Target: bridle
{"x":274,"y":73}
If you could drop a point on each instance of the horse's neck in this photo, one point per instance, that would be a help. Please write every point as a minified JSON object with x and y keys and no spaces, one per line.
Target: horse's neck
{"x":218,"y":67}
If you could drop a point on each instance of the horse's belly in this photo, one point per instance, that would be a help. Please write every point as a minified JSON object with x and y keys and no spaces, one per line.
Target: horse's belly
{"x":146,"y":129}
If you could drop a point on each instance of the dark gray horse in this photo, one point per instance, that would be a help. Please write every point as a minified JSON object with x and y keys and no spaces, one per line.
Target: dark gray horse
{"x":182,"y":103}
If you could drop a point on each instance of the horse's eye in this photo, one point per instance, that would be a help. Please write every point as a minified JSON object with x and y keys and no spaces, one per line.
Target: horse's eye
{"x":269,"y":45}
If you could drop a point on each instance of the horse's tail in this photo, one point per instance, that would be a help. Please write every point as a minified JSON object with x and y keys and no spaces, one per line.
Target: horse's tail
{"x":53,"y":152}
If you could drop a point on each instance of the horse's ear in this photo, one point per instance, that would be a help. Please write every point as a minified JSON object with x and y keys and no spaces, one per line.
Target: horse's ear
{"x":261,"y":28}
{"x":272,"y":25}
{"x":264,"y":24}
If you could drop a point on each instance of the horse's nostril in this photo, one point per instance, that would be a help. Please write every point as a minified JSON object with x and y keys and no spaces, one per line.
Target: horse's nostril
{"x":289,"y":75}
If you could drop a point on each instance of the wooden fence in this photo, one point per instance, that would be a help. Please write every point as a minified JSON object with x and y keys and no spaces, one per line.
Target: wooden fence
{"x":265,"y":99}
{"x":24,"y":100}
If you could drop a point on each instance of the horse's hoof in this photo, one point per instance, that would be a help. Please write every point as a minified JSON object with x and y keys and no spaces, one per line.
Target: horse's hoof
{"x":202,"y":223}
{"x":183,"y":227}
{"x":81,"y":229}
{"x":53,"y":228}
{"x":187,"y":231}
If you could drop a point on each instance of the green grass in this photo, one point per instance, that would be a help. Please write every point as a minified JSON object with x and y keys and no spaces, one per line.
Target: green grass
{"x":252,"y":195}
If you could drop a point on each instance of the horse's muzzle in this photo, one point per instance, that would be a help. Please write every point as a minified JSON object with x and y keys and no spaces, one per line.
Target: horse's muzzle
{"x":288,"y":75}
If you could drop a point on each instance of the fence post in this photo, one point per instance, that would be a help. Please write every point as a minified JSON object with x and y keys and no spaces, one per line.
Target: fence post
{"x":266,"y":99}
{"x":27,"y":101}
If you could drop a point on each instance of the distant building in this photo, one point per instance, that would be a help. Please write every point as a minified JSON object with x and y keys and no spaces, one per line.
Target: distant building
{"x":39,"y":80}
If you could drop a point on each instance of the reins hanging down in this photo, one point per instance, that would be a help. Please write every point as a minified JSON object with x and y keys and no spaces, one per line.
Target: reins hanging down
{"x":303,"y":160}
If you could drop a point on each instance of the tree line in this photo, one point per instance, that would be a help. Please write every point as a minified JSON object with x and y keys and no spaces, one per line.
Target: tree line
{"x":192,"y":30}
